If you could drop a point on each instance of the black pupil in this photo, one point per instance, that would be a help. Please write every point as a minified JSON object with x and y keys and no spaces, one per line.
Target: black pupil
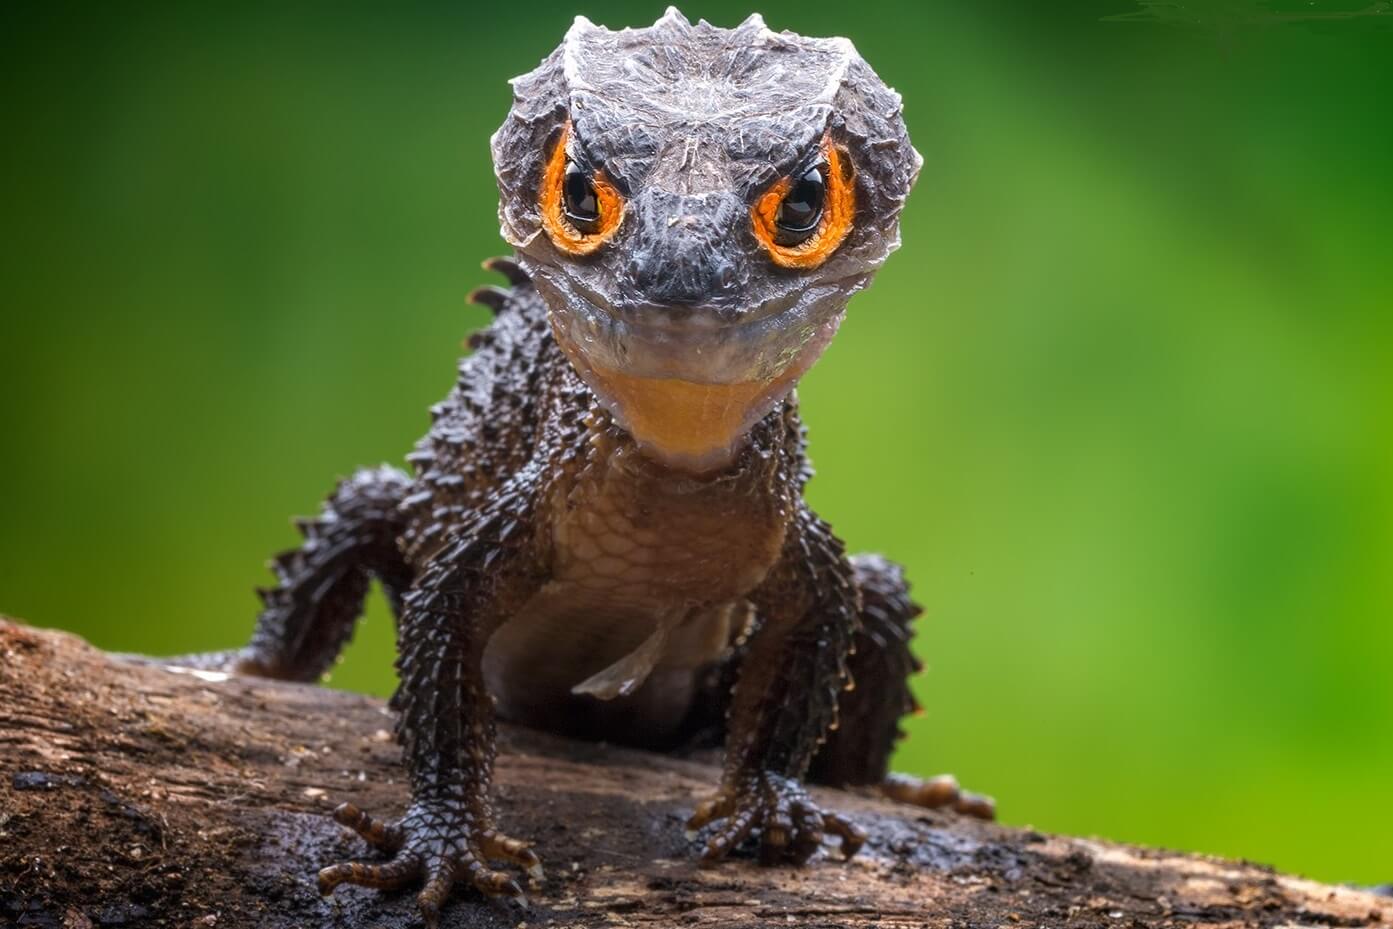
{"x":802,"y":205}
{"x":582,"y":209}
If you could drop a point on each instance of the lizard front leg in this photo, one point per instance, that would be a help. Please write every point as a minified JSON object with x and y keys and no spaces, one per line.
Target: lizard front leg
{"x":446,"y":721}
{"x":785,"y":702}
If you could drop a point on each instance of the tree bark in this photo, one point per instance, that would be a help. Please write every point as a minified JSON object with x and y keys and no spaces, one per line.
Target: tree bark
{"x":135,"y":795}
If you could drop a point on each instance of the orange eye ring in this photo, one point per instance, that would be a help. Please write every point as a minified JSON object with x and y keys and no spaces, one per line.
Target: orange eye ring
{"x":838,"y":211}
{"x":564,"y":234}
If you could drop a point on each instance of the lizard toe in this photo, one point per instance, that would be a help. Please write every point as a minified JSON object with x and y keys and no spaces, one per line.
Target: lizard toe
{"x":938,"y":793}
{"x":389,"y":876}
{"x":497,"y":846}
{"x":376,"y":833}
{"x":438,"y":844}
{"x":791,"y":826}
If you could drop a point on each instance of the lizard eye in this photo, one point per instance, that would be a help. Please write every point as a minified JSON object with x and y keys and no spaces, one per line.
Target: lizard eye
{"x":580,"y":210}
{"x":801,"y":208}
{"x":582,"y":205}
{"x":804,"y":217}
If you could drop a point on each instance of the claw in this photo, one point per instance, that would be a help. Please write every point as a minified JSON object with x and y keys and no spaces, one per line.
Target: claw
{"x":507,"y":848}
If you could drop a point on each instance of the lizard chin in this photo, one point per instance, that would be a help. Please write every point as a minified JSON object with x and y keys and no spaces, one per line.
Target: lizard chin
{"x":687,"y":425}
{"x":689,"y":397}
{"x":688,"y":382}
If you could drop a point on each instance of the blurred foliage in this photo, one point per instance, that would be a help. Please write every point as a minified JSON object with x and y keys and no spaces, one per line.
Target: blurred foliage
{"x":1231,"y":14}
{"x":1122,"y":404}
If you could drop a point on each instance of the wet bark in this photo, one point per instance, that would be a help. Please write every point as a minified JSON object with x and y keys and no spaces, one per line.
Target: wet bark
{"x":133,"y":795}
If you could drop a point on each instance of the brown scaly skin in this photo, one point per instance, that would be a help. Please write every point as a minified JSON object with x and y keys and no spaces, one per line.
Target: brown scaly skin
{"x":606,"y":534}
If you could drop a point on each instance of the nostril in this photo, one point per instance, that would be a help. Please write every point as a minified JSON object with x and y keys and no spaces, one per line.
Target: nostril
{"x":681,"y":270}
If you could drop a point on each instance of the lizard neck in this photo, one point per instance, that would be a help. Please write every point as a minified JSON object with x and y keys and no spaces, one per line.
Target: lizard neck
{"x":757,"y":461}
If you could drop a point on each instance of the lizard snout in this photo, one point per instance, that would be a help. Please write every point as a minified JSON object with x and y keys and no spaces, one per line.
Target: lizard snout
{"x":684,"y":252}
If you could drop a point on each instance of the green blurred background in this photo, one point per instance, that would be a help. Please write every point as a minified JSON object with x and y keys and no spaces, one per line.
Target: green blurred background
{"x":1122,"y":403}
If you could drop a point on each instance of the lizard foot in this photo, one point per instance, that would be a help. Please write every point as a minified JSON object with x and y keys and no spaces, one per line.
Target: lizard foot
{"x":791,"y":825}
{"x":937,"y":793}
{"x":438,"y":844}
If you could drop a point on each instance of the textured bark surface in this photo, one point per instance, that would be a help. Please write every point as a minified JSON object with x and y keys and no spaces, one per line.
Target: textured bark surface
{"x":140,"y":796}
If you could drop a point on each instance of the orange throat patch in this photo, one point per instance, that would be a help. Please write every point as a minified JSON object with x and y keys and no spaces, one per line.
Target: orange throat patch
{"x":692,"y":426}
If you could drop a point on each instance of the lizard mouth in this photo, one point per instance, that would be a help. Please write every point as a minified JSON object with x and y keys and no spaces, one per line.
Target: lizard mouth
{"x":689,"y":382}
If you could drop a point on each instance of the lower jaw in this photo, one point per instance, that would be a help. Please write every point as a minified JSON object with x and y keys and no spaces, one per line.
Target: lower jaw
{"x":689,"y":397}
{"x":692,"y":419}
{"x":687,"y":425}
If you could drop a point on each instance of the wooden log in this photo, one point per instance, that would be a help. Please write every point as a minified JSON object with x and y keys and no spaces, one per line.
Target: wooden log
{"x":134,"y":795}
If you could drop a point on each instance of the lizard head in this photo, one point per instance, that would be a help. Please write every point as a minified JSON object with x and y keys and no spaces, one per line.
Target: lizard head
{"x":696,"y":206}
